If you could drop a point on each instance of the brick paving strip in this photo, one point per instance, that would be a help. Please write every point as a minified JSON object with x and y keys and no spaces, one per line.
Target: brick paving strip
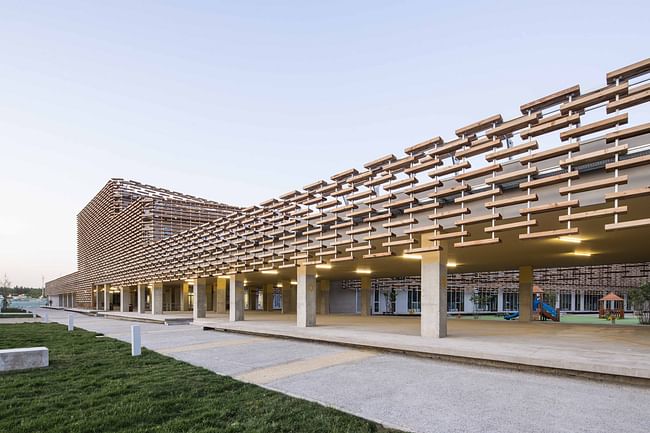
{"x":270,"y":374}
{"x":209,"y":345}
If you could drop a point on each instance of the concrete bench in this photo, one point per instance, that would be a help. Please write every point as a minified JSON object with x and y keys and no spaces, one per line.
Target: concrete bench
{"x":24,"y":358}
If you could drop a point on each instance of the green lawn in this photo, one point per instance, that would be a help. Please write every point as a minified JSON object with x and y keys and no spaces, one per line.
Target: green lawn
{"x":94,"y":385}
{"x":588,"y":319}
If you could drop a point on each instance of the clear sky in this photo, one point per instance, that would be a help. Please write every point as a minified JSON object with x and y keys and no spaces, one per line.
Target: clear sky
{"x":241,"y":101}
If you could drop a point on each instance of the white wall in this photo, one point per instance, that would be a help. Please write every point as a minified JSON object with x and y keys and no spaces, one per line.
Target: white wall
{"x":341,"y":300}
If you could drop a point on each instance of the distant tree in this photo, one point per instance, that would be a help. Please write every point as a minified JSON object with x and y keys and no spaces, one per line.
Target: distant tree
{"x":640,"y":298}
{"x":5,"y":285}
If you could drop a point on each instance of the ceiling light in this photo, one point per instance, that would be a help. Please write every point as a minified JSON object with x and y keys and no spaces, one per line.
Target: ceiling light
{"x":270,"y":271}
{"x":324,"y":266}
{"x":363,"y":271}
{"x":570,"y":239}
{"x":412,"y":256}
{"x":224,"y":277}
{"x":452,"y":264}
{"x":582,"y":253}
{"x":294,"y":283}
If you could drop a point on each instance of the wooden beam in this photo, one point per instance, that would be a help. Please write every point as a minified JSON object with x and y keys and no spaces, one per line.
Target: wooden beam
{"x":593,"y":185}
{"x":551,"y":100}
{"x":593,"y":127}
{"x":549,"y":233}
{"x":593,"y":214}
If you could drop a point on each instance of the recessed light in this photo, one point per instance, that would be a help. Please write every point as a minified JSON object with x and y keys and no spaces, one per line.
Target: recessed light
{"x":582,"y":253}
{"x":412,"y":256}
{"x":324,"y":266}
{"x":270,"y":271}
{"x":452,"y":264}
{"x":294,"y":283}
{"x":570,"y":239}
{"x":363,"y":271}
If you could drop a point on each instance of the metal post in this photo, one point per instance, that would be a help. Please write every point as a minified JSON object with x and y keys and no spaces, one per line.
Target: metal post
{"x":136,"y":346}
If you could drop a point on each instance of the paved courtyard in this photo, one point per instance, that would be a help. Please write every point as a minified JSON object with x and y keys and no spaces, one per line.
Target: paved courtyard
{"x":623,"y":351}
{"x":414,"y":394}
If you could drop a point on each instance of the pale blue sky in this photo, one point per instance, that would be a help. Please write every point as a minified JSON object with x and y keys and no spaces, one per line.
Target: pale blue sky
{"x":241,"y":101}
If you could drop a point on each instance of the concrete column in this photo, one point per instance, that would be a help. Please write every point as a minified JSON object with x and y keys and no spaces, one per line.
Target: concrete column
{"x":293,"y":289}
{"x":157,"y":298}
{"x":468,"y":306}
{"x":268,"y":297}
{"x":200,"y":298}
{"x":365,"y":296}
{"x":573,"y":300}
{"x":286,"y":296}
{"x":433,"y":320}
{"x":236,"y":287}
{"x":525,"y":293}
{"x":500,"y":300}
{"x":142,"y":297}
{"x":97,"y":298}
{"x":125,"y":299}
{"x":222,"y":286}
{"x":306,"y":296}
{"x":324,"y":297}
{"x":185,"y":295}
{"x":252,"y":298}
{"x":582,"y":300}
{"x":106,"y":299}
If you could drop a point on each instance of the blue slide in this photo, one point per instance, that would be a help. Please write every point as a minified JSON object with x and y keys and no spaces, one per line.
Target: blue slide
{"x":547,"y":312}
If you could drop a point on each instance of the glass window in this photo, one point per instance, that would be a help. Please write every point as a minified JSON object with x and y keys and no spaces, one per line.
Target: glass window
{"x":510,"y":299}
{"x":377,"y":301}
{"x":485,"y":299}
{"x":277,"y":298}
{"x":591,"y":299}
{"x":414,"y":300}
{"x":565,"y":300}
{"x":455,"y":300}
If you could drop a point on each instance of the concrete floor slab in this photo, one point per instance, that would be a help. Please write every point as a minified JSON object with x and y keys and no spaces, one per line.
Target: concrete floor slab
{"x":600,"y":351}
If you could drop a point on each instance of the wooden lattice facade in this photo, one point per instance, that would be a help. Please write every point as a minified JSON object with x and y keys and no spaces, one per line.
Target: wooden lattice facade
{"x":496,"y":176}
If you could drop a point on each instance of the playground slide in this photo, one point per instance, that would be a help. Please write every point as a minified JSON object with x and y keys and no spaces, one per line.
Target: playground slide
{"x":547,"y":311}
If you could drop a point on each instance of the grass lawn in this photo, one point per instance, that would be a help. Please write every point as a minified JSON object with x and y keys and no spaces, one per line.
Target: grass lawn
{"x":94,"y":385}
{"x":593,"y":319}
{"x":588,"y":319}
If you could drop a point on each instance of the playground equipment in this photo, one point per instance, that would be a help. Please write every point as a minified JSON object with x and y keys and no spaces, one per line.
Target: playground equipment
{"x":611,"y":305}
{"x":543,"y":311}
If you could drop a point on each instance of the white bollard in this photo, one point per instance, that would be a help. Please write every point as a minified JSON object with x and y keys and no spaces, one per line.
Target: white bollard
{"x":46,"y":318}
{"x":33,"y":315}
{"x":70,"y":322}
{"x":136,"y":348}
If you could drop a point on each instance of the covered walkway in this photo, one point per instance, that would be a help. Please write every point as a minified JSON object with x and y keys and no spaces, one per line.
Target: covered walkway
{"x":568,"y":349}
